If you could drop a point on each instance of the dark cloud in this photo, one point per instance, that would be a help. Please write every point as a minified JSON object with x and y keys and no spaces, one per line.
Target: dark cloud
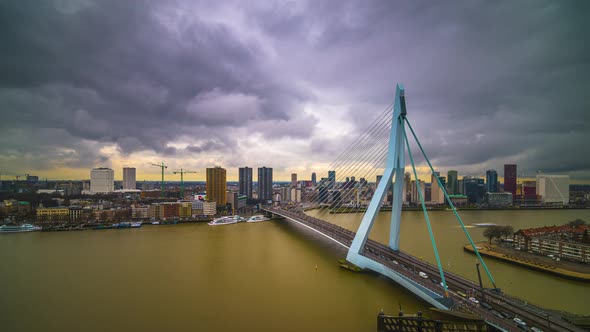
{"x":487,"y":83}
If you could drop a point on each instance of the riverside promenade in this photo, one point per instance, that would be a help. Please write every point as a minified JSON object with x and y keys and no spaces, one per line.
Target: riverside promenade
{"x":562,"y":269}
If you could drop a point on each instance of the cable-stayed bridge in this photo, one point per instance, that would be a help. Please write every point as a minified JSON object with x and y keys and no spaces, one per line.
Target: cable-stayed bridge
{"x":380,"y":152}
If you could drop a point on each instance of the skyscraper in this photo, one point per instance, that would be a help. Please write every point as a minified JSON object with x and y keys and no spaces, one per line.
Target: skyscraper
{"x":265,"y":183}
{"x":510,"y":179}
{"x":216,"y":186}
{"x":129,"y":178}
{"x":332,"y":179}
{"x":314,"y":179}
{"x":102,"y":180}
{"x":452,"y":182}
{"x":407,"y":191}
{"x":491,"y":181}
{"x":245,"y":182}
{"x":437,"y":195}
{"x":294,"y":180}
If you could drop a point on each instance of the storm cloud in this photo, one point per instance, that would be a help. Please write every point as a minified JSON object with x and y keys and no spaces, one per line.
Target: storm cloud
{"x":290,"y":84}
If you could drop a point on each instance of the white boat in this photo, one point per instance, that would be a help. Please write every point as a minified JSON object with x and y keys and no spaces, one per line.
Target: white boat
{"x":155,"y":222}
{"x":257,"y":218}
{"x":226,"y":220}
{"x":135,"y":224}
{"x":19,"y":229}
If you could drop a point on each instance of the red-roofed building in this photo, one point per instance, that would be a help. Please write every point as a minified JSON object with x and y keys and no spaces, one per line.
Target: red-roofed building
{"x":563,"y":242}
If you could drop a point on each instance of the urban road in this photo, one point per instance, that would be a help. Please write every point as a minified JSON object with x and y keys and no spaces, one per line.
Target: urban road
{"x":501,"y":308}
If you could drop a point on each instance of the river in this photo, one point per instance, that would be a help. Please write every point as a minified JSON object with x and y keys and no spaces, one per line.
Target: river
{"x":247,"y":277}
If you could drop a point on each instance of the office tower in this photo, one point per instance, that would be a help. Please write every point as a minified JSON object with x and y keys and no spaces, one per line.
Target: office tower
{"x":553,"y":188}
{"x":129,"y":178}
{"x":491,"y":181}
{"x":510,"y":179}
{"x":474,"y":189}
{"x":245,"y":182}
{"x":436,"y":195}
{"x":407,"y":192}
{"x":314,"y":178}
{"x":294,"y":180}
{"x":452,"y":182}
{"x":216,"y":186}
{"x":415,"y":196}
{"x":332,"y":178}
{"x":265,"y":183}
{"x":102,"y":180}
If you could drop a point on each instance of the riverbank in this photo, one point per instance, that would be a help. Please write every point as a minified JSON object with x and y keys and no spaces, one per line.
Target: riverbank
{"x":562,"y":269}
{"x":99,"y":226}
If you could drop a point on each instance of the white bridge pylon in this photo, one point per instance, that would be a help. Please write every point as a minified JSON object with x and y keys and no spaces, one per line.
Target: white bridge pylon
{"x":394,"y":169}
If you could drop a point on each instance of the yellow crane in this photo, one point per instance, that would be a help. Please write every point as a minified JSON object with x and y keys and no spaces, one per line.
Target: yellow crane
{"x":182,"y":172}
{"x":162,"y":166}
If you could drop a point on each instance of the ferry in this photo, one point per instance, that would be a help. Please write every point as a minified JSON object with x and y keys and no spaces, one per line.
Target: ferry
{"x":257,"y":218}
{"x":226,"y":220}
{"x":19,"y":229}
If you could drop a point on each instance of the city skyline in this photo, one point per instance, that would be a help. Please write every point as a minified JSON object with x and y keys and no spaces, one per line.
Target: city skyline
{"x":199,"y":85}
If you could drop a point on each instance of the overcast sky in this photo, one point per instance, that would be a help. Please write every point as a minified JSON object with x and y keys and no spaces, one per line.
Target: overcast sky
{"x":289,"y":84}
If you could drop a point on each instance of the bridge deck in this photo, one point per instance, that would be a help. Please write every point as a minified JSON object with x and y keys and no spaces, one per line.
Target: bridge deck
{"x":504,"y":307}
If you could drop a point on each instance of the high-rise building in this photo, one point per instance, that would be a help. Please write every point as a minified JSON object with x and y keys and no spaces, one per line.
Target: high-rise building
{"x":245,"y":182}
{"x":332,"y":178}
{"x":510,"y":179}
{"x":553,"y":188}
{"x":102,"y":180}
{"x":436,"y":195}
{"x":452,"y":182}
{"x":415,"y":196}
{"x":265,"y":183}
{"x":491,"y":181}
{"x":474,"y":189}
{"x":294,"y":180}
{"x":407,"y":191}
{"x":314,"y":179}
{"x":129,"y":178}
{"x":216,"y":186}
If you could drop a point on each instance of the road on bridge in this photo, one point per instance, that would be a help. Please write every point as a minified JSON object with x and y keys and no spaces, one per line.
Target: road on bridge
{"x":497,"y":309}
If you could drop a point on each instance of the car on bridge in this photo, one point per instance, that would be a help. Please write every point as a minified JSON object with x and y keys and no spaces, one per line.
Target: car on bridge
{"x":520,"y":323}
{"x":474,"y":300}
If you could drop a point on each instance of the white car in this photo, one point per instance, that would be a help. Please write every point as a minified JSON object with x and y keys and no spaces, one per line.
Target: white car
{"x":474,"y":300}
{"x":423,"y":275}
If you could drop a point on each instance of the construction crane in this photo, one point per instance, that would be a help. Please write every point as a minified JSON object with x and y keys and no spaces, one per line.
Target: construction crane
{"x":182,"y":172}
{"x":17,"y":179}
{"x":162,"y":166}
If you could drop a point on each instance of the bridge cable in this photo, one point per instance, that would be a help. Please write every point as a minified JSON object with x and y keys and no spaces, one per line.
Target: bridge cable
{"x":452,"y":207}
{"x":430,"y":233}
{"x":349,"y":150}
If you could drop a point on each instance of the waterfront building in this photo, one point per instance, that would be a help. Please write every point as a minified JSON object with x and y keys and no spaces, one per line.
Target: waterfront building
{"x":265,"y":183}
{"x":294,"y":180}
{"x":553,"y":189}
{"x":237,"y":201}
{"x":102,"y":180}
{"x":245,"y":182}
{"x":210,"y":208}
{"x":459,"y":200}
{"x":414,"y":191}
{"x":510,"y":178}
{"x":473,"y":188}
{"x":185,"y":209}
{"x":76,"y":214}
{"x":313,"y":178}
{"x":285,"y":193}
{"x":129,"y":178}
{"x":491,"y":181}
{"x":216,"y":185}
{"x":156,"y":211}
{"x":406,"y":191}
{"x":436,"y":194}
{"x":497,"y":199}
{"x":452,"y":182}
{"x":53,"y":215}
{"x":140,"y":212}
{"x":564,"y":242}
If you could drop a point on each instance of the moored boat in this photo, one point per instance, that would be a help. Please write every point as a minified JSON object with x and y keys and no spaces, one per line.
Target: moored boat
{"x":257,"y":218}
{"x":19,"y":229}
{"x":226,"y":220}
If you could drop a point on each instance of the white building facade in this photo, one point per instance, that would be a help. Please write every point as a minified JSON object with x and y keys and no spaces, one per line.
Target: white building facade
{"x":553,"y":188}
{"x":129,"y":178}
{"x":102,"y":180}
